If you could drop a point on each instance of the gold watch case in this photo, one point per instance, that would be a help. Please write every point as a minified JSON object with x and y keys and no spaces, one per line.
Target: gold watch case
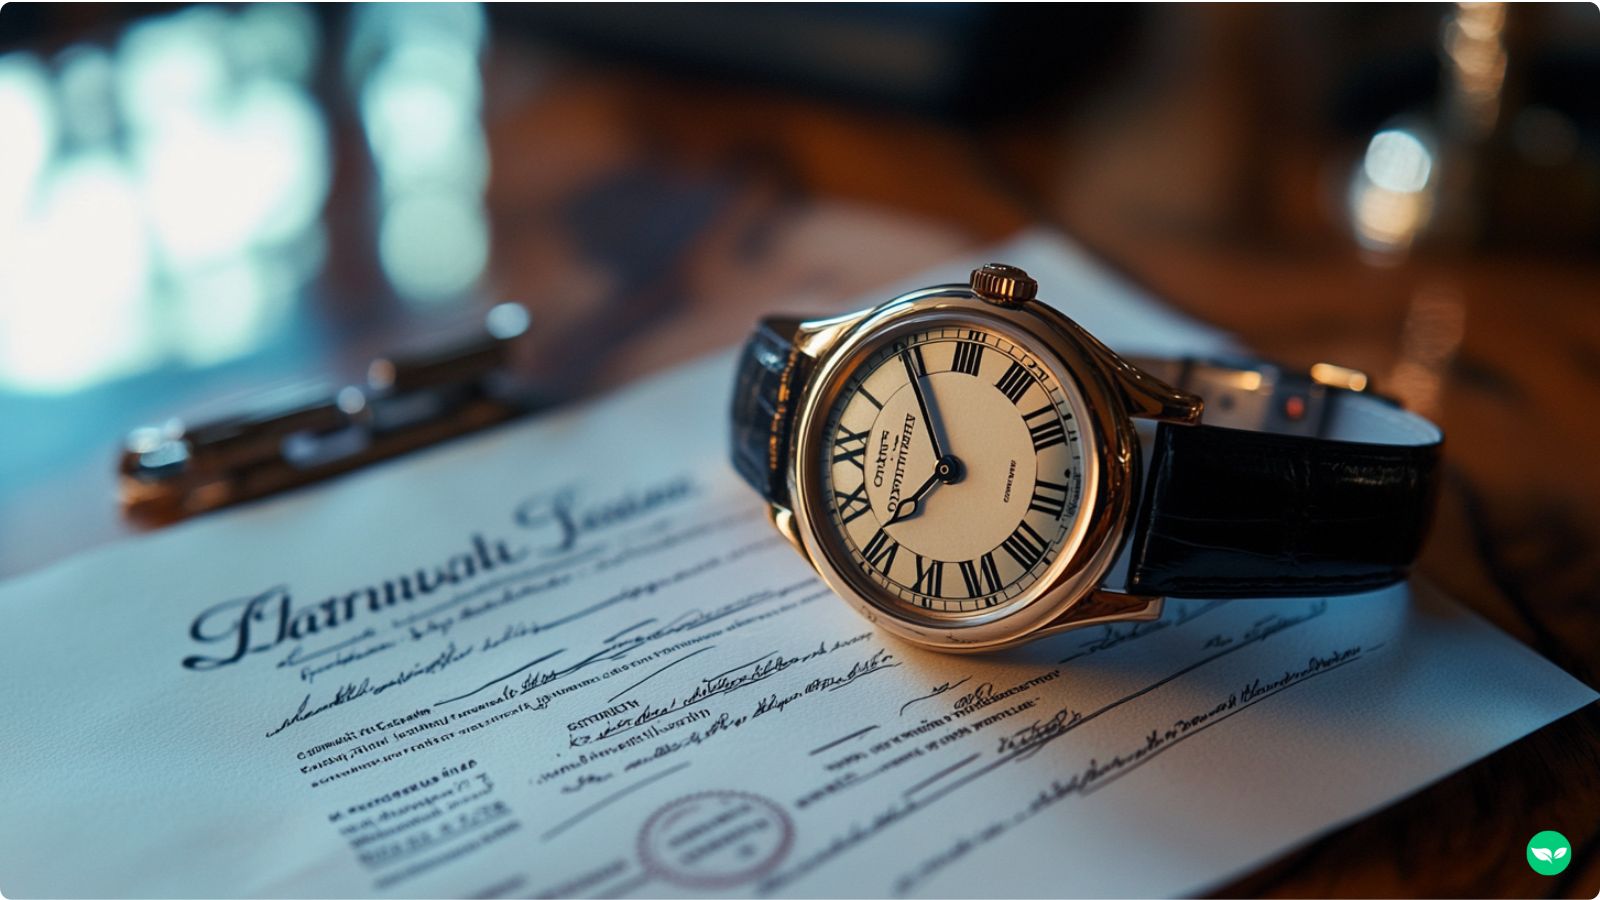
{"x":1110,"y":393}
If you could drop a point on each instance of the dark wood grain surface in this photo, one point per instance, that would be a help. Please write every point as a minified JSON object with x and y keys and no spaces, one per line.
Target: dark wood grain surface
{"x":649,"y":219}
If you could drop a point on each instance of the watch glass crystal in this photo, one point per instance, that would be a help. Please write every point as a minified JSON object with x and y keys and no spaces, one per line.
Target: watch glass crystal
{"x":953,"y":471}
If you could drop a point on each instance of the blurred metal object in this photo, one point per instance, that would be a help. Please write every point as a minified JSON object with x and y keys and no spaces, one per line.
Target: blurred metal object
{"x":1262,"y":396}
{"x":1340,"y":377}
{"x":304,"y":433}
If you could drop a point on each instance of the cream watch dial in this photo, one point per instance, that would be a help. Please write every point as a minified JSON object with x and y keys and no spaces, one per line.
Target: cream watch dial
{"x":953,"y":470}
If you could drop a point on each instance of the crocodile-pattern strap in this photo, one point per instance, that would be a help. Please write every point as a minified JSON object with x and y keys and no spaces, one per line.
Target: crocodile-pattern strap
{"x":1334,"y":498}
{"x":771,"y":372}
{"x":1232,"y":512}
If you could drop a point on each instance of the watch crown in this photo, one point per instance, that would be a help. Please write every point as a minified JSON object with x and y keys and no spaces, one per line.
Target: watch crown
{"x":1003,"y":285}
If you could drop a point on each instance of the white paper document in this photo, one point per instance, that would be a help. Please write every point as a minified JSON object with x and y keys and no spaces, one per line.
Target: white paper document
{"x":571,"y":658}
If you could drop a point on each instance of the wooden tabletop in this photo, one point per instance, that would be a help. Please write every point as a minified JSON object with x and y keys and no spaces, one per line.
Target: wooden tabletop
{"x":647,"y":219}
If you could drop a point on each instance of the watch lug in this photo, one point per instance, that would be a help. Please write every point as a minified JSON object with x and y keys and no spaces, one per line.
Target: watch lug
{"x":1151,"y":397}
{"x":1146,"y":396}
{"x":782,"y":518}
{"x":1104,"y":606}
{"x":818,"y":336}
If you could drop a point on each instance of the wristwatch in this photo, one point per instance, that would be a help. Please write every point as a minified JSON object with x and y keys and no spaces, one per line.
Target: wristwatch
{"x":964,"y":465}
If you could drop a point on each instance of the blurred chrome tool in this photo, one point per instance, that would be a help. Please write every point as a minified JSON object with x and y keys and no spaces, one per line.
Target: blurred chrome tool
{"x":289,"y":437}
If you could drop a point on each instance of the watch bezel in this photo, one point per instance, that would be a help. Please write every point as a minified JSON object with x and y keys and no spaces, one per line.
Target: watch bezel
{"x":1110,"y":466}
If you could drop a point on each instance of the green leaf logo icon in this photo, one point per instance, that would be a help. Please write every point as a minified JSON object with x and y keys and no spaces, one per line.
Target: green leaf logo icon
{"x":1549,"y":852}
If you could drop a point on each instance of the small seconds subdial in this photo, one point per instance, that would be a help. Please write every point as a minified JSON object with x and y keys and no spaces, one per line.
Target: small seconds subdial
{"x":953,"y":469}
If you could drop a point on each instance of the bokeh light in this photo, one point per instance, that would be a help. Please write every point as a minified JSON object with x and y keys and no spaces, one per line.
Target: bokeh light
{"x":160,"y":197}
{"x":415,"y":69}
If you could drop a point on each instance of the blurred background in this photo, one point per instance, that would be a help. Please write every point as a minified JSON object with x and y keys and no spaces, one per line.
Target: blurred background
{"x":198,"y":202}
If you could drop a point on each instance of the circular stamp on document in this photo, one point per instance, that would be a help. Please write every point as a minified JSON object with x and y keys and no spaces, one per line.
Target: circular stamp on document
{"x":715,"y":839}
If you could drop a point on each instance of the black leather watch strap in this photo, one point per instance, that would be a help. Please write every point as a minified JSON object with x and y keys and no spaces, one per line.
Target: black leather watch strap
{"x":771,"y":372}
{"x":1291,"y":489}
{"x":1342,"y":506}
